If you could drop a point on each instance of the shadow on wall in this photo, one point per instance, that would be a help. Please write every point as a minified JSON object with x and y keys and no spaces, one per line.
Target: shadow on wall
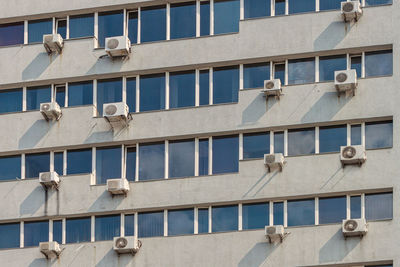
{"x":106,"y":64}
{"x":331,"y":36}
{"x":255,"y":189}
{"x":254,"y":111}
{"x":258,"y":254}
{"x":38,"y":65}
{"x":337,"y":248}
{"x":106,"y":202}
{"x":111,"y":258}
{"x":35,"y":133}
{"x":40,"y":262}
{"x":33,"y":202}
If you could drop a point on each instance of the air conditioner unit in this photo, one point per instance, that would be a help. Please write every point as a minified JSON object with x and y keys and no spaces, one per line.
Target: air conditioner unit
{"x":118,"y":186}
{"x":118,"y":46}
{"x":273,"y":161}
{"x":352,"y":155}
{"x":354,"y":227}
{"x":126,"y":244}
{"x":50,"y":249}
{"x":272,"y":88}
{"x":351,"y":10}
{"x":116,"y":113}
{"x":50,"y":111}
{"x":274,"y":233}
{"x":49,"y":179}
{"x":53,"y":43}
{"x":346,"y":81}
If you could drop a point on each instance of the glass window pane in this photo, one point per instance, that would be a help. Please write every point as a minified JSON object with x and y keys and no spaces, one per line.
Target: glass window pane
{"x":151,"y":224}
{"x":79,"y":161}
{"x":10,"y":168}
{"x":152,"y":92}
{"x":301,"y":141}
{"x":355,"y":134}
{"x":203,"y":157}
{"x":80,"y":93}
{"x":355,"y":62}
{"x":78,"y":230}
{"x":256,"y":8}
{"x":62,"y":28}
{"x":301,"y":212}
{"x":331,"y":138}
{"x":153,"y":23}
{"x":57,"y":231}
{"x":204,"y":85}
{"x":279,"y":138}
{"x":279,"y":72}
{"x":81,"y":26}
{"x":151,"y":161}
{"x":107,"y":227}
{"x":328,"y":65}
{"x":329,"y":4}
{"x":377,"y":2}
{"x":278,"y":213}
{"x":378,"y":134}
{"x":131,"y":94}
{"x":180,"y":222}
{"x":225,"y":154}
{"x":204,"y":18}
{"x":131,"y":163}
{"x":301,"y":70}
{"x":226,"y":16}
{"x":10,"y":234}
{"x":182,"y":86}
{"x":108,"y":164}
{"x":58,"y":162}
{"x":132,"y":26}
{"x":332,"y":209}
{"x":36,"y":163}
{"x":37,"y":95}
{"x":378,"y":63}
{"x":355,"y":207}
{"x":203,"y":221}
{"x":130,"y":225}
{"x":255,"y":145}
{"x":255,"y":75}
{"x":10,"y":100}
{"x":108,"y":91}
{"x":226,"y":84}
{"x":280,"y":7}
{"x":255,"y":216}
{"x":38,"y":28}
{"x":379,"y":206}
{"x":12,"y":34}
{"x":224,"y":218}
{"x":35,"y":232}
{"x":110,"y":24}
{"x":301,"y":6}
{"x":181,"y":158}
{"x":60,"y":95}
{"x":183,"y":20}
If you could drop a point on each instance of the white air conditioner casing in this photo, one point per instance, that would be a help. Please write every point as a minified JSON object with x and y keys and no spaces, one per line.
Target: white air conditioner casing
{"x":118,"y":186}
{"x":272,"y":88}
{"x":351,"y":10}
{"x":116,"y":112}
{"x":275,"y":233}
{"x":273,"y":161}
{"x":352,"y":155}
{"x":50,"y":249}
{"x":49,"y":179}
{"x":354,"y":227}
{"x":346,"y":80}
{"x":126,"y":244}
{"x":118,"y":46}
{"x":53,"y":43}
{"x":50,"y":111}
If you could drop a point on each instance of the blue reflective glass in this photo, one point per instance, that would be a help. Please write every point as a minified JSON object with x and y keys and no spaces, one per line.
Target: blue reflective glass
{"x":226,"y":84}
{"x":301,"y":141}
{"x":278,"y":213}
{"x":151,"y":224}
{"x":379,"y":206}
{"x":181,"y":158}
{"x":301,"y":70}
{"x":331,"y":138}
{"x":332,"y":209}
{"x":224,"y":218}
{"x":301,"y":6}
{"x":60,"y":95}
{"x":62,"y":28}
{"x":57,"y":231}
{"x":36,"y":163}
{"x":378,"y":134}
{"x":152,"y":92}
{"x":81,"y":26}
{"x":301,"y":212}
{"x":9,"y":233}
{"x":183,"y":20}
{"x":58,"y":162}
{"x":355,"y":207}
{"x":182,"y":87}
{"x":226,"y":16}
{"x":153,"y":23}
{"x":151,"y":161}
{"x":12,"y":34}
{"x":180,"y":222}
{"x":255,"y":145}
{"x":256,"y":8}
{"x":130,"y":163}
{"x":204,"y":84}
{"x":377,"y":2}
{"x":255,"y":74}
{"x":79,"y":161}
{"x":225,"y":154}
{"x":107,"y":160}
{"x":355,"y":64}
{"x":329,"y":4}
{"x":37,"y":95}
{"x":107,"y":227}
{"x":78,"y":230}
{"x":130,"y":225}
{"x":35,"y":232}
{"x":279,"y":72}
{"x":280,"y":7}
{"x":80,"y":93}
{"x":38,"y":28}
{"x":255,"y":216}
{"x":328,"y":65}
{"x":10,"y":168}
{"x":108,"y":91}
{"x":133,"y":26}
{"x":378,"y":63}
{"x":203,"y":157}
{"x":10,"y":100}
{"x":279,"y":139}
{"x":204,"y":18}
{"x":110,"y":24}
{"x":355,"y":134}
{"x":131,"y":94}
{"x":203,"y":221}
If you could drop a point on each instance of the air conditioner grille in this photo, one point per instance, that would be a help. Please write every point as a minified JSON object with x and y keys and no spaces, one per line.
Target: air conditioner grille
{"x":271,"y":230}
{"x":46,"y":177}
{"x":270,"y":158}
{"x":350,"y":225}
{"x":111,"y":110}
{"x":112,"y":43}
{"x":349,"y":152}
{"x":269,"y":85}
{"x":341,"y":77}
{"x":121,"y":242}
{"x":46,"y":107}
{"x":348,"y":7}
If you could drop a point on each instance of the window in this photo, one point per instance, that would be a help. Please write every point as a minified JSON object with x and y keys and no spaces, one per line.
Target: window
{"x":152,"y":92}
{"x":130,"y":163}
{"x":108,"y":91}
{"x":204,"y":84}
{"x":110,"y":24}
{"x":80,"y":93}
{"x":355,"y":207}
{"x":151,"y":161}
{"x":10,"y":100}
{"x":301,"y":70}
{"x":183,"y":20}
{"x":280,"y":7}
{"x":301,"y":6}
{"x":332,"y":137}
{"x":81,"y":26}
{"x":355,"y":134}
{"x":78,"y":230}
{"x":108,"y":164}
{"x":131,"y":94}
{"x":355,"y":64}
{"x":204,"y":18}
{"x":278,"y":213}
{"x":377,"y":2}
{"x":279,"y":139}
{"x":301,"y":141}
{"x":59,"y":162}
{"x":182,"y":89}
{"x":181,"y":158}
{"x":35,"y":232}
{"x":133,"y":26}
{"x":107,"y":227}
{"x":12,"y":34}
{"x":328,"y":65}
{"x":378,"y":63}
{"x":79,"y":161}
{"x":256,"y":74}
{"x":203,"y":157}
{"x":255,"y":145}
{"x":256,"y":8}
{"x":255,"y":216}
{"x":379,"y":206}
{"x":10,"y":168}
{"x":301,"y":212}
{"x":60,"y":95}
{"x":332,"y":209}
{"x":279,"y":72}
{"x":10,"y":235}
{"x":226,"y":16}
{"x":203,"y":220}
{"x":61,"y":27}
{"x":225,"y":218}
{"x":37,"y":95}
{"x":38,"y":28}
{"x":57,"y":231}
{"x":129,"y":224}
{"x":151,"y":224}
{"x":226,"y":84}
{"x":329,"y":4}
{"x":378,"y":134}
{"x":225,"y":154}
{"x":180,"y":222}
{"x":36,"y":163}
{"x":153,"y":23}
